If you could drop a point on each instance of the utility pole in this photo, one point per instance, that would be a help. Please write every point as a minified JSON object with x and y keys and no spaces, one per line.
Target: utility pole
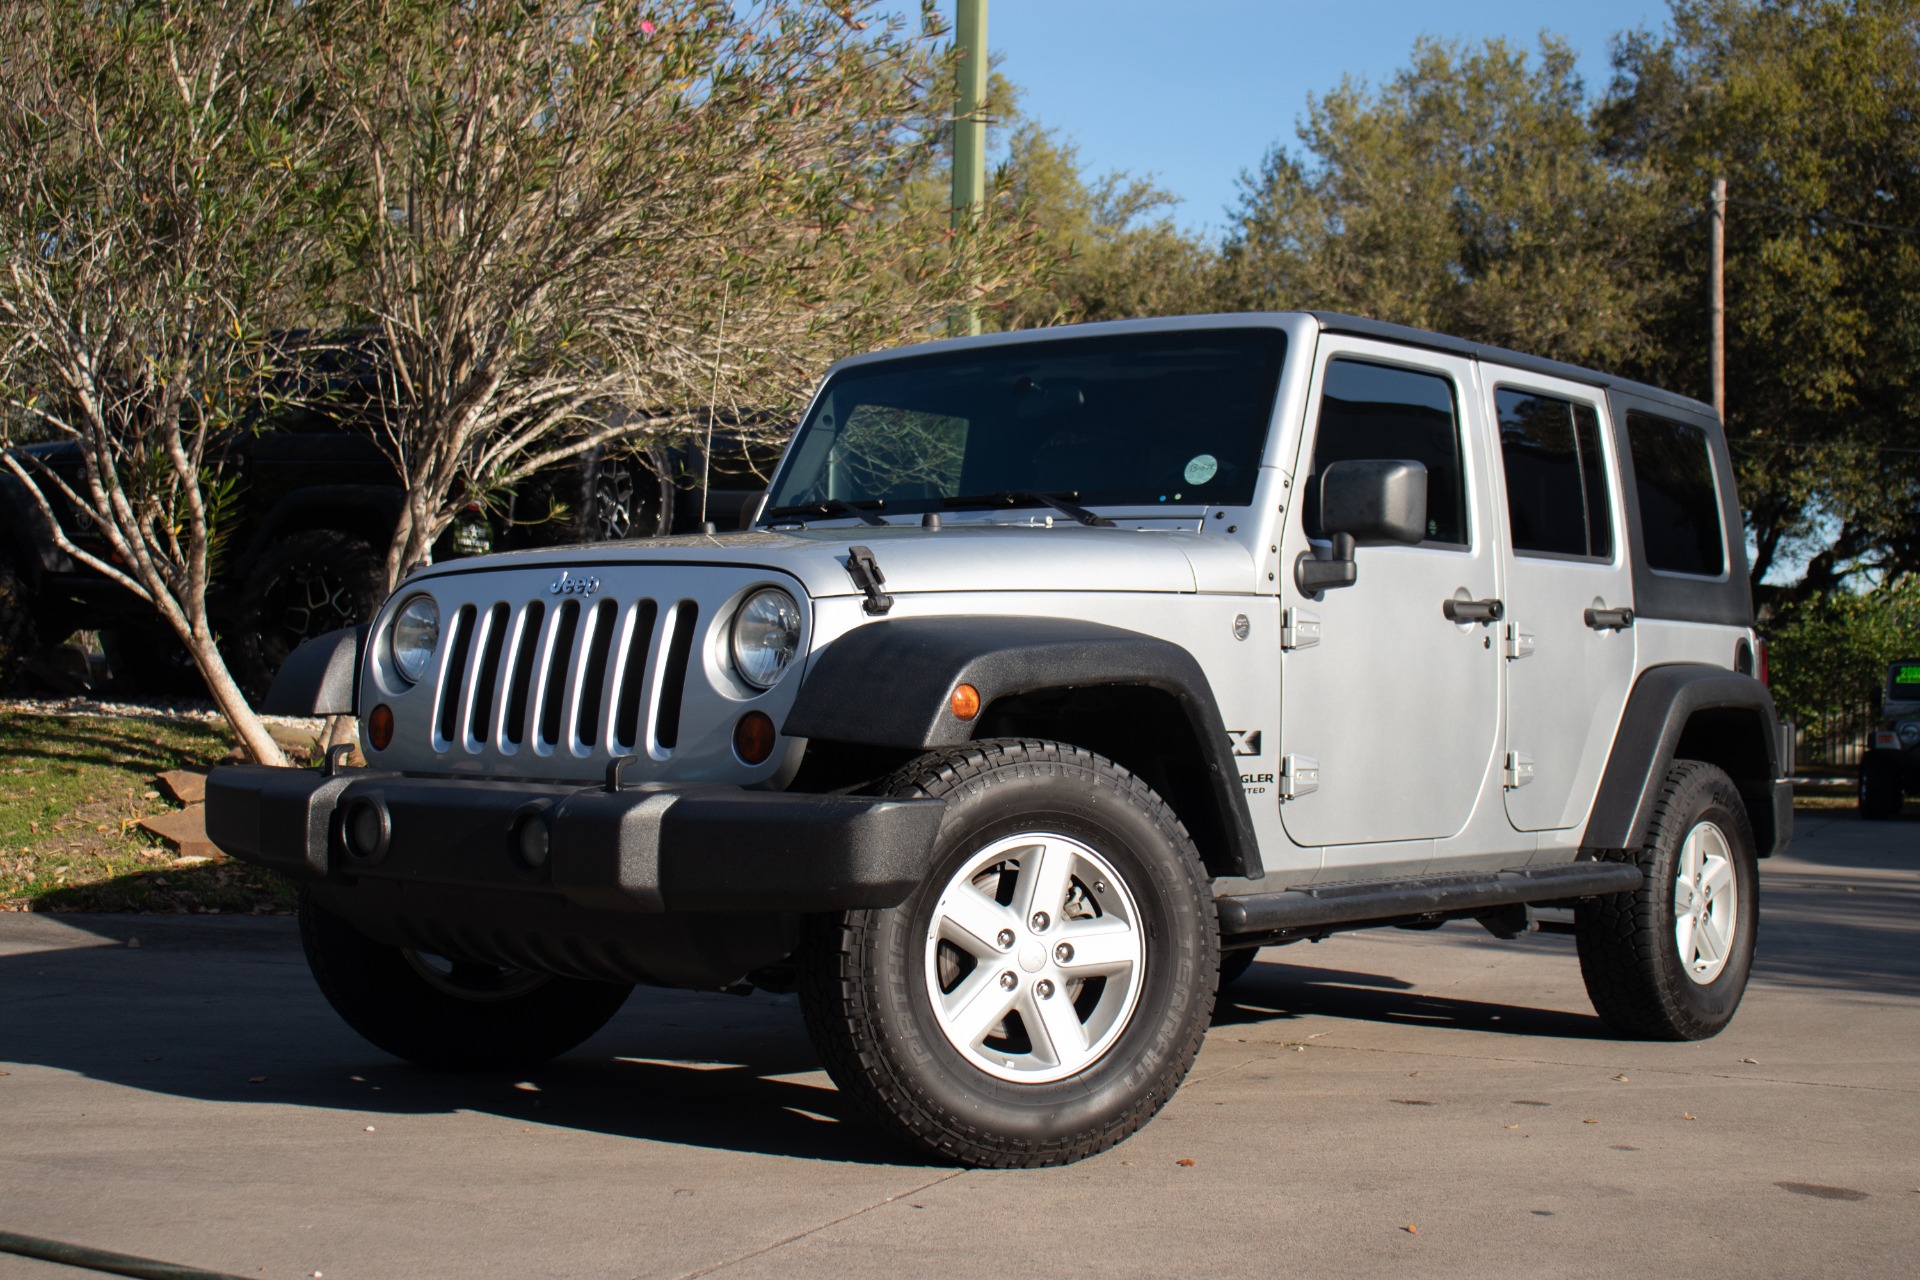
{"x":969,"y":140}
{"x":1717,"y":298}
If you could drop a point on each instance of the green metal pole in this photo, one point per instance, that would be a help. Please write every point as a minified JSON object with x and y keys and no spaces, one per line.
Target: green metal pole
{"x":969,"y":138}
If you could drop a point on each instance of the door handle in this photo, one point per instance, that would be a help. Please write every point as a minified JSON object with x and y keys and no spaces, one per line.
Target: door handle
{"x":1610,"y":619}
{"x":1489,"y":610}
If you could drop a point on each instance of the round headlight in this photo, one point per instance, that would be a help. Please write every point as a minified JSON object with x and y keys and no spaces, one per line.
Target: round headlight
{"x":1909,"y":731}
{"x":766,"y":634}
{"x":413,"y":636}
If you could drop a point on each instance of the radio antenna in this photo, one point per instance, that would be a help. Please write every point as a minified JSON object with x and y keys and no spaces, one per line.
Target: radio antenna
{"x":713,"y":395}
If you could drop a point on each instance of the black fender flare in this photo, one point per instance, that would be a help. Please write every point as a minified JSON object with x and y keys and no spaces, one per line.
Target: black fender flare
{"x":321,"y":677}
{"x":383,"y":502}
{"x":1742,"y":737}
{"x":888,"y":684}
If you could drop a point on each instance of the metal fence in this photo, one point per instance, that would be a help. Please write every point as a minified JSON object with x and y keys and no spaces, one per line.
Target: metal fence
{"x":1835,"y":738}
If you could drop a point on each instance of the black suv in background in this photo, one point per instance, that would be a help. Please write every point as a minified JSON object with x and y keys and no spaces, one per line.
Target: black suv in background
{"x":312,"y":508}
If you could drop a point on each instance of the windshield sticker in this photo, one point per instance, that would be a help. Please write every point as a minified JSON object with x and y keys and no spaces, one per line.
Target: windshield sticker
{"x":1202,"y":469}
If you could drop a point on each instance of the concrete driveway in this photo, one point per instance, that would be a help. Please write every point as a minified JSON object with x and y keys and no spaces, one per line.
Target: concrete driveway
{"x":1423,"y":1104}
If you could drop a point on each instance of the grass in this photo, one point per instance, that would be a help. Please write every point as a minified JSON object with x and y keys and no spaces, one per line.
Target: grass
{"x":72,"y":791}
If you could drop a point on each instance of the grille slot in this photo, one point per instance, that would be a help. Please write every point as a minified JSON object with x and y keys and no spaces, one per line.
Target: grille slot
{"x":558,"y":658}
{"x":673,"y":680}
{"x":453,"y":677}
{"x":526,"y":646}
{"x":593,"y":674}
{"x":630,"y":683}
{"x":486,"y":677}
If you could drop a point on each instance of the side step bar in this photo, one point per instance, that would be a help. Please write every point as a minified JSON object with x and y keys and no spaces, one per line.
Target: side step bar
{"x":1325,"y":908}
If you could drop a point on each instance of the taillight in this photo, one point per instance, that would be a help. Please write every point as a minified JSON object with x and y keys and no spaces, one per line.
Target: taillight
{"x":1763,"y":664}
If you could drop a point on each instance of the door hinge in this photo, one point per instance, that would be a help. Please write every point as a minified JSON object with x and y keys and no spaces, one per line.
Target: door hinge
{"x":1518,"y":643}
{"x":1299,"y":629}
{"x":1298,"y":776}
{"x":1519,"y":769}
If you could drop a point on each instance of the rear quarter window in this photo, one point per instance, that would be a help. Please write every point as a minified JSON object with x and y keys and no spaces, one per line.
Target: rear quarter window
{"x":1679,"y":504}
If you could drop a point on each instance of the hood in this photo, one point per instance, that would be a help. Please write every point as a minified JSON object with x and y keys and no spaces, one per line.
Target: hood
{"x":959,"y":557}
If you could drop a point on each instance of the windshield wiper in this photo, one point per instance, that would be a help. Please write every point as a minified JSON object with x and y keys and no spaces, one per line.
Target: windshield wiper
{"x":1028,"y":498}
{"x":832,"y":507}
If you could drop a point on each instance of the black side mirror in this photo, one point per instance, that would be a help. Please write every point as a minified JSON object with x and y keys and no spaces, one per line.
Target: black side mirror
{"x":1370,"y":499}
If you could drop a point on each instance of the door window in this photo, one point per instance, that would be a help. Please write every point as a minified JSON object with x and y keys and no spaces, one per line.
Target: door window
{"x":1381,"y":411}
{"x":1556,"y":476}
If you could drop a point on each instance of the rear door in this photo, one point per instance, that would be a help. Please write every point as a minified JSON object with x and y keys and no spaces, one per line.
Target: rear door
{"x":1569,"y":651}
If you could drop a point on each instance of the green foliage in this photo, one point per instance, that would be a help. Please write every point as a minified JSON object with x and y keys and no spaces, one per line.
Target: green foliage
{"x":1834,"y":650}
{"x":1468,"y":195}
{"x":1807,"y":108}
{"x":1117,"y":253}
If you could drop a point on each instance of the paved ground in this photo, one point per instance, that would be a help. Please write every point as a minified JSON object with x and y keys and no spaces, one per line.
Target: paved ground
{"x":1424,"y":1103}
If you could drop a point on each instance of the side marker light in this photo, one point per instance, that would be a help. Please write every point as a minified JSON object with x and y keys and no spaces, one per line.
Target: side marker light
{"x":753,"y":737}
{"x":965,"y":702}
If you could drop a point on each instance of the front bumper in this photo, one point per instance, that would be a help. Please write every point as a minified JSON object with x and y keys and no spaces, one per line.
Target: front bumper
{"x":635,"y":852}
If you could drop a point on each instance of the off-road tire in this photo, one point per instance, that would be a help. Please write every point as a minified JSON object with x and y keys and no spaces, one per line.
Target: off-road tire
{"x":1880,"y":797}
{"x":383,"y":995}
{"x":863,"y":974}
{"x":1234,"y":965}
{"x":306,"y":585}
{"x":1629,"y":953}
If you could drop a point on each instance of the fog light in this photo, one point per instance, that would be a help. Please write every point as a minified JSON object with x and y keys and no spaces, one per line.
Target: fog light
{"x":533,"y":842}
{"x":965,"y":702}
{"x":367,"y":830}
{"x":380,"y":727}
{"x":753,"y":737}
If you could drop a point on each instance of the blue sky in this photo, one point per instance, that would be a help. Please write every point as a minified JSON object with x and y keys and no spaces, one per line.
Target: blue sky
{"x":1196,"y":91}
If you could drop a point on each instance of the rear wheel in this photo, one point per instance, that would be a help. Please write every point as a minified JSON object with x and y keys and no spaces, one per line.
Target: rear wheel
{"x":1879,"y":788}
{"x":450,"y":1015}
{"x":1670,"y":960}
{"x":1044,"y":992}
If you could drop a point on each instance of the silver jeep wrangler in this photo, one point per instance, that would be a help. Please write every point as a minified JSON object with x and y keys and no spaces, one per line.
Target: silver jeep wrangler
{"x":1059,"y":672}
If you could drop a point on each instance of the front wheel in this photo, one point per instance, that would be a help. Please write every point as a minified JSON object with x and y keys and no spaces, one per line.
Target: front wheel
{"x":445,"y":1014}
{"x":1045,"y":990}
{"x":1670,"y":960}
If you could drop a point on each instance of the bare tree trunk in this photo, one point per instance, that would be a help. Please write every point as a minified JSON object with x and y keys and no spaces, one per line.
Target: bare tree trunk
{"x":247,"y":725}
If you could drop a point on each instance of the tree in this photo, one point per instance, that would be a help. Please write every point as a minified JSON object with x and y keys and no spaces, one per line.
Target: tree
{"x":162,"y":214}
{"x":1807,"y":108}
{"x":1468,"y":195}
{"x":1117,"y":251}
{"x":581,"y":220}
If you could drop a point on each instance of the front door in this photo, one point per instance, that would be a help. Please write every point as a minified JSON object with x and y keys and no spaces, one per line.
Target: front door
{"x":1397,"y":705}
{"x":1570,"y":648}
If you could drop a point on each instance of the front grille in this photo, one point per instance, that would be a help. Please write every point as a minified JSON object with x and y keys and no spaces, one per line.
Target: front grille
{"x":575,"y":678}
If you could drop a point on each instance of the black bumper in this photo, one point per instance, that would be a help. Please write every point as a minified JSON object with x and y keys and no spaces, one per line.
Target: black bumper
{"x":640,"y":852}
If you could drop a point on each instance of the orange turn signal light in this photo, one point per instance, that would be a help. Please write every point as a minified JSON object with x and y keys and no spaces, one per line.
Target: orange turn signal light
{"x":380,"y":727}
{"x":965,"y":702}
{"x":753,"y":737}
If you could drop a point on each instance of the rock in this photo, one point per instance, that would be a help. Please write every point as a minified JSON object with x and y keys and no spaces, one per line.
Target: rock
{"x":184,"y":785}
{"x":186,"y":830}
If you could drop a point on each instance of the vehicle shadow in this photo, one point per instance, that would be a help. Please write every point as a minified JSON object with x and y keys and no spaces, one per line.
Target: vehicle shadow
{"x":1272,"y":991}
{"x":222,"y":1009}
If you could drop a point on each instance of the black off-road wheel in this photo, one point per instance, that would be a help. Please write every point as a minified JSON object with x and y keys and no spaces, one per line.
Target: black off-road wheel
{"x":449,"y":1015}
{"x":1044,"y":991}
{"x":1670,"y":960}
{"x":309,"y":584}
{"x":1880,"y":796}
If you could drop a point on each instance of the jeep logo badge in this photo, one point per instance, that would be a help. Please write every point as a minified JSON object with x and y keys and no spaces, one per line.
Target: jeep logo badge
{"x":568,"y":585}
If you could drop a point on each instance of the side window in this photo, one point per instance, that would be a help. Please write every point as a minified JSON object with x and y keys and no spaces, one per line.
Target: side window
{"x":1679,"y":509}
{"x":1556,"y":475}
{"x":1380,"y":411}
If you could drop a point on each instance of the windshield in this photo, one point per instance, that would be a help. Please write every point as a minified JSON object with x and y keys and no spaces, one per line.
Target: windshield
{"x":1139,"y":419}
